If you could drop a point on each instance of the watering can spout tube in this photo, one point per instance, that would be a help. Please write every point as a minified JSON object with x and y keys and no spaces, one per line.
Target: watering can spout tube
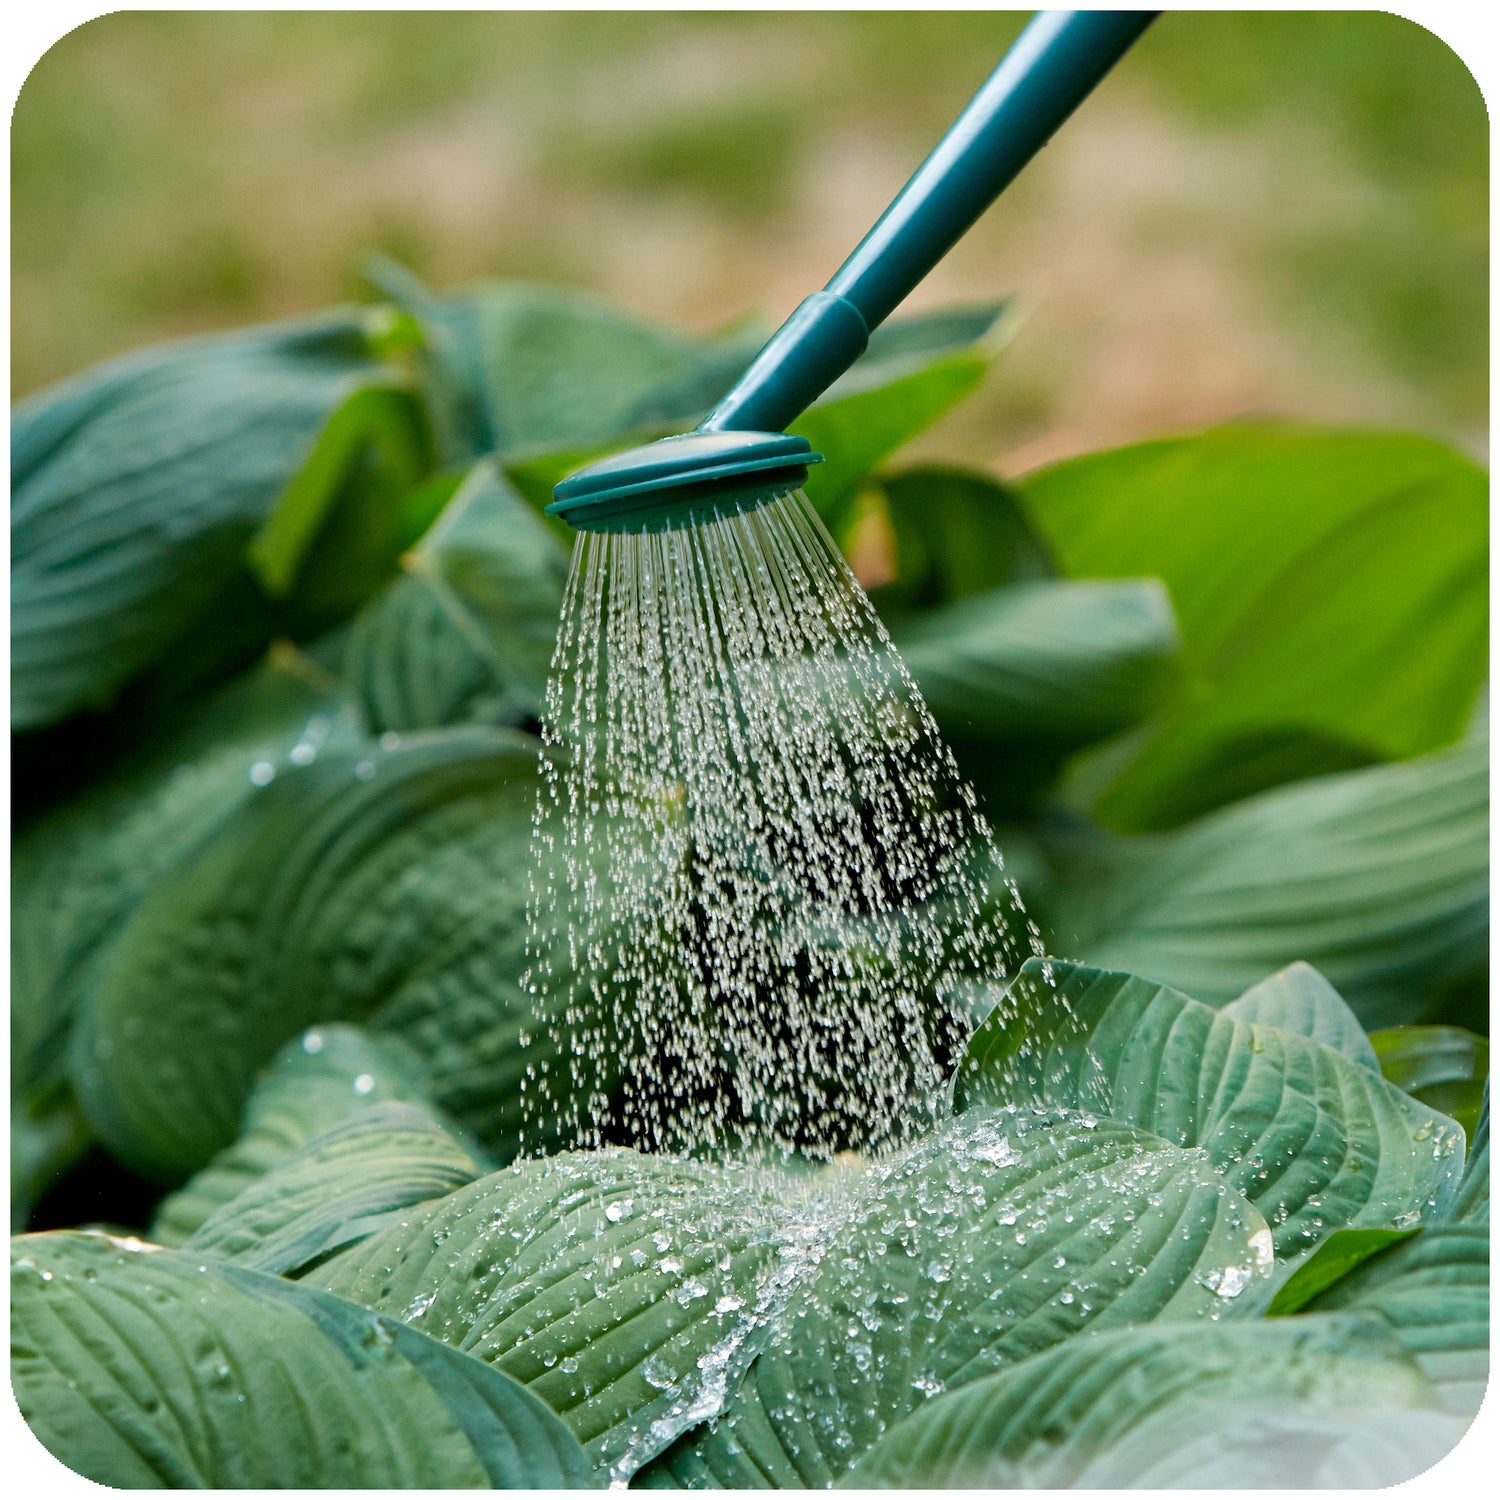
{"x":741,"y":455}
{"x":1053,"y":66}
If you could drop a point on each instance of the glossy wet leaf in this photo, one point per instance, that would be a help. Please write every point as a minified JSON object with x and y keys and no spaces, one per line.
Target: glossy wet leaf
{"x":1289,"y":1404}
{"x":1298,"y":998}
{"x":314,"y":1083}
{"x":1315,"y":1141}
{"x":620,"y":1288}
{"x":1273,"y":541}
{"x":1434,"y":1292}
{"x":1000,"y":1235}
{"x":1446,"y":1067}
{"x":384,"y":884}
{"x":1379,"y":878}
{"x":144,"y":1368}
{"x":137,"y":488}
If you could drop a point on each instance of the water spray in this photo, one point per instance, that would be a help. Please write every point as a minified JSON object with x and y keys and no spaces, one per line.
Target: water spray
{"x":764,"y":897}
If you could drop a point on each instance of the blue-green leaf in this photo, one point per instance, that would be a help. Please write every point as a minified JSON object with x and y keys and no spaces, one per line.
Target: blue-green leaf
{"x":147,"y":1368}
{"x":1309,"y":1402}
{"x":1298,"y":998}
{"x":1314,"y":1140}
{"x":1331,"y":587}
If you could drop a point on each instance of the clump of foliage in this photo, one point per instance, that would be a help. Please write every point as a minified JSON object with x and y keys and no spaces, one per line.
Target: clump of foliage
{"x":283,"y":606}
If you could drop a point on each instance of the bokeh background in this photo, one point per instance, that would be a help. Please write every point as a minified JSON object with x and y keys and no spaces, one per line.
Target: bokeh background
{"x":1275,"y":213}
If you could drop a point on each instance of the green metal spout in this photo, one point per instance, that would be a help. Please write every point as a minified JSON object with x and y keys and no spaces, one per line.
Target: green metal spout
{"x":733,"y":457}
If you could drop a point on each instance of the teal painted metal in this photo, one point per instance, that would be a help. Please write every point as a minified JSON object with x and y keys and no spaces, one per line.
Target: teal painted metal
{"x":1053,"y":66}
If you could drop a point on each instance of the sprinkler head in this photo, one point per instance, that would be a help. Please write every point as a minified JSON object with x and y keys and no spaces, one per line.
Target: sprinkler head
{"x":677,"y":481}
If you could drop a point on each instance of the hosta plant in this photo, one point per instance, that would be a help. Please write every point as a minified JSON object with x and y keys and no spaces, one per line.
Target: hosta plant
{"x":1208,"y":1200}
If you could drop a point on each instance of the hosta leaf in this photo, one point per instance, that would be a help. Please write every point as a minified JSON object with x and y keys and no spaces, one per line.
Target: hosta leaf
{"x":313,"y":1084}
{"x":1298,"y":998}
{"x":386,"y":885}
{"x":1379,"y":878}
{"x":1446,"y":1067}
{"x":1434,"y":1291}
{"x":1276,"y":542}
{"x":1018,"y":677}
{"x":1244,"y":1405}
{"x":411,"y":667}
{"x":1000,"y":1235}
{"x":80,"y":872}
{"x":620,"y":1288}
{"x":1314,"y":1140}
{"x":136,"y":490}
{"x":143,"y":1368}
{"x":468,"y":634}
{"x":338,"y":1189}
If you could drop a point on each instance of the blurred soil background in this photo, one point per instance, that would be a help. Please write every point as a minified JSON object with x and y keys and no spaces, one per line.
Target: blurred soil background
{"x":1279,"y":213}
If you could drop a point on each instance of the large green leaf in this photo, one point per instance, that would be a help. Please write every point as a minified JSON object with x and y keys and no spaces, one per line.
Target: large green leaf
{"x":1315,"y":1141}
{"x":317,"y":1082}
{"x":338,"y":1189}
{"x":1001,"y":1235}
{"x":78,"y":873}
{"x":1378,"y":877}
{"x":1298,"y":998}
{"x":1331,"y":588}
{"x":468,"y":633}
{"x":1444,"y":1066}
{"x":1019,"y":677}
{"x":143,"y":1368}
{"x":620,"y":1288}
{"x":1306,"y":1403}
{"x":1434,"y":1291}
{"x":384,"y":884}
{"x":137,"y":489}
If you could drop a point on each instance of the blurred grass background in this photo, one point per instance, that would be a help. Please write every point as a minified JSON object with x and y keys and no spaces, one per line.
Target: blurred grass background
{"x":1273,"y":213}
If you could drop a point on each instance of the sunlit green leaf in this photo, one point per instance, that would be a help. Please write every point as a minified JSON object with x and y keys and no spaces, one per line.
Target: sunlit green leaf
{"x":341,"y":1187}
{"x":313,"y":1084}
{"x":1331,"y":586}
{"x":1298,"y":998}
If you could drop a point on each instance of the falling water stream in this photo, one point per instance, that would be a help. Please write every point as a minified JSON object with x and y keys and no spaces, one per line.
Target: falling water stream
{"x":762,"y":893}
